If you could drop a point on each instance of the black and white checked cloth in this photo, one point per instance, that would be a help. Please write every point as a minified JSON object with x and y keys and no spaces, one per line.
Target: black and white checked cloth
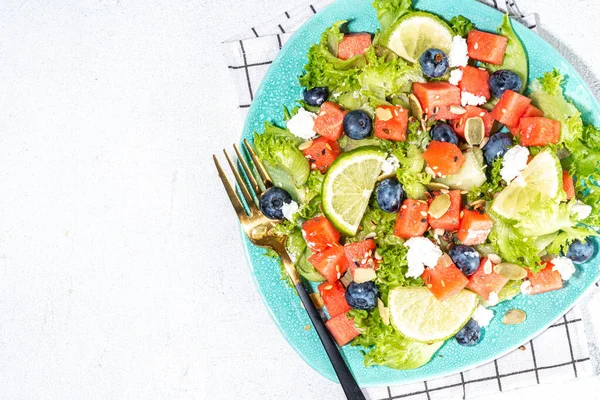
{"x":567,"y":350}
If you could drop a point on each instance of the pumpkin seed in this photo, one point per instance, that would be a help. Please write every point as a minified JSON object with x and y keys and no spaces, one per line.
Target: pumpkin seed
{"x":362,"y":275}
{"x":305,"y":145}
{"x":439,"y":206}
{"x":510,"y":271}
{"x":514,"y":316}
{"x":474,"y":131}
{"x":477,"y":203}
{"x":415,"y":107}
{"x":384,"y":312}
{"x":437,"y":186}
{"x":317,"y":300}
{"x":458,"y":110}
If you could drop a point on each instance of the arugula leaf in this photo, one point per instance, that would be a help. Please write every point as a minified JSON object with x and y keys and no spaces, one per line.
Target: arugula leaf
{"x":386,"y":347}
{"x":461,"y":25}
{"x":411,"y":173}
{"x":515,"y":58}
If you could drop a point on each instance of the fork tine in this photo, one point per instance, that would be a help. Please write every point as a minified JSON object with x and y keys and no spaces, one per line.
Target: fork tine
{"x":241,"y":184}
{"x":249,"y":174}
{"x":264,"y":175}
{"x":233,"y":197}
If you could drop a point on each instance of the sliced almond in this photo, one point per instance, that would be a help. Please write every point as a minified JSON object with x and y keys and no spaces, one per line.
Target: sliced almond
{"x":439,"y":231}
{"x":437,"y":186}
{"x":495,"y":258}
{"x":370,"y":235}
{"x":383,"y":114}
{"x":384,"y":312}
{"x":445,"y":261}
{"x":514,"y":316}
{"x":474,"y":131}
{"x":362,"y":275}
{"x":429,"y":171}
{"x":484,"y":142}
{"x":487,"y":267}
{"x":510,"y":271}
{"x":305,"y":145}
{"x":439,"y":206}
{"x":346,"y":279}
{"x":385,"y":176}
{"x":317,"y":300}
{"x":415,"y":107}
{"x":457,"y":110}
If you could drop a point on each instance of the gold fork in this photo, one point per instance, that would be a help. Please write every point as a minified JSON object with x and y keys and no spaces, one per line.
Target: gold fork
{"x":259,"y":230}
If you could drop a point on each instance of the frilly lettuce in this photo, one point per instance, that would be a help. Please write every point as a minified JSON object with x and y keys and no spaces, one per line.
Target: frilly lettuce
{"x":545,"y":216}
{"x":492,"y":185}
{"x":384,"y":346}
{"x":287,"y":166}
{"x":461,"y":25}
{"x":411,"y":173}
{"x":390,"y":11}
{"x":514,"y":247}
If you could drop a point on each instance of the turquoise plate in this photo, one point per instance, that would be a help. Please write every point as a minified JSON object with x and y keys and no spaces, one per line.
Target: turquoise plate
{"x":280,"y":87}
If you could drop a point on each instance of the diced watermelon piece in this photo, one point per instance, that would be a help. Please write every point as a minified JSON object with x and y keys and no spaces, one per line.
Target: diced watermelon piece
{"x":545,"y":281}
{"x":412,"y":219}
{"x":333,"y":295}
{"x":320,"y":234}
{"x":354,"y":44}
{"x":361,"y":255}
{"x":533,"y":111}
{"x":342,"y":329}
{"x":475,"y":81}
{"x":391,"y":123}
{"x":538,"y":131}
{"x":331,"y":263}
{"x":436,"y":98}
{"x":444,"y":281}
{"x":450,"y":221}
{"x":330,"y":121}
{"x":472,"y":111}
{"x":568,"y":185}
{"x":486,"y":47}
{"x":483,"y":284}
{"x":510,"y":108}
{"x":474,"y":227}
{"x":443,"y":158}
{"x":322,"y":153}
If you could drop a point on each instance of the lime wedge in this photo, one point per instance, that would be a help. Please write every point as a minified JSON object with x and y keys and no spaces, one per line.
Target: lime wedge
{"x":542,"y":176}
{"x":348,"y":185}
{"x":417,"y":32}
{"x":418,"y":315}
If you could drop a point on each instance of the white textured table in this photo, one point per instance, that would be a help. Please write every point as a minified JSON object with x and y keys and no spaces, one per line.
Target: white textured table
{"x":121,"y":268}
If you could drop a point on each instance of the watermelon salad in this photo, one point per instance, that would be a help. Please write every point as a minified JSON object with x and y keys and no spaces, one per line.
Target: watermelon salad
{"x":423,"y":178}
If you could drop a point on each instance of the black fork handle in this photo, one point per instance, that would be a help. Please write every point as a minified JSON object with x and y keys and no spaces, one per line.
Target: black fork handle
{"x":340,"y":367}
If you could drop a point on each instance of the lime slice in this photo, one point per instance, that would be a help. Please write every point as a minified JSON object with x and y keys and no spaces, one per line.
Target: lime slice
{"x":348,"y":185}
{"x":418,"y":315}
{"x":417,"y":32}
{"x":542,"y":176}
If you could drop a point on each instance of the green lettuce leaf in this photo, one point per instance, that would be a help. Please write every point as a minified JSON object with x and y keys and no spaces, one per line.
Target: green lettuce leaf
{"x":543,"y":217}
{"x":311,"y":205}
{"x":411,"y":173}
{"x":384,"y":346}
{"x":390,"y":11}
{"x":494,"y":184}
{"x":514,"y":247}
{"x":515,"y":58}
{"x":461,"y":25}
{"x":306,"y":269}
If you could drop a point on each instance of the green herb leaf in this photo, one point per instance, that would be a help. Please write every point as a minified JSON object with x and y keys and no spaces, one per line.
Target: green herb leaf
{"x":461,"y":25}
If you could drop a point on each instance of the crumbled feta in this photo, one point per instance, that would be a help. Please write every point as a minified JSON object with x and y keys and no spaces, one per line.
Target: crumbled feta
{"x":390,"y":165}
{"x":581,"y":210}
{"x":493,"y":298}
{"x":455,"y":76}
{"x":526,"y":287}
{"x":459,"y":52}
{"x":421,"y":252}
{"x":469,"y":99}
{"x":483,"y":316}
{"x":289,"y":209}
{"x":514,"y":161}
{"x":564,"y":266}
{"x":302,"y":124}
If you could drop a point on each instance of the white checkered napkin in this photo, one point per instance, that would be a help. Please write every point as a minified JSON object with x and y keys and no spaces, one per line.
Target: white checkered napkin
{"x":567,"y":350}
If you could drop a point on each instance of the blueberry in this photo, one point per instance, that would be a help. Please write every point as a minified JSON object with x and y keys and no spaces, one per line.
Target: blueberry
{"x":390,"y":195}
{"x":272,"y":201}
{"x":362,"y":296}
{"x":316,"y":96}
{"x":357,"y":124}
{"x":443,"y":133}
{"x":434,"y":63}
{"x":504,"y":80}
{"x":581,"y":252}
{"x":469,"y":335}
{"x":466,"y":258}
{"x":497,"y":146}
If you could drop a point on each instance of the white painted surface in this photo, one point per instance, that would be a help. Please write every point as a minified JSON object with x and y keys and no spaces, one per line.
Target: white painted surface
{"x":121,"y":268}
